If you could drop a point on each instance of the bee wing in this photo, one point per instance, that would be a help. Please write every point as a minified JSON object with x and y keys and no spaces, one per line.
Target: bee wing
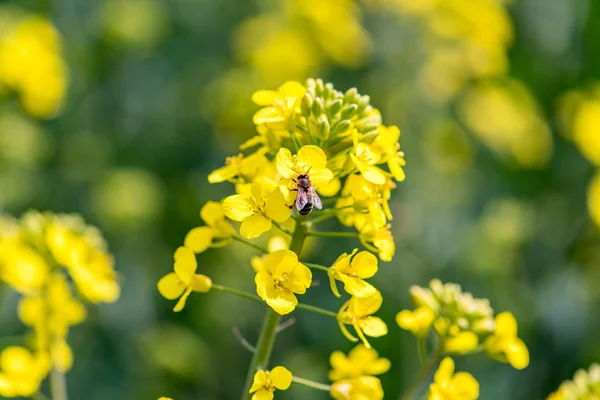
{"x":301,"y":199}
{"x":314,"y":198}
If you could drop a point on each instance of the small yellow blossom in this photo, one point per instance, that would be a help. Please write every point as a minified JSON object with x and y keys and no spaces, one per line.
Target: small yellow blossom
{"x":21,"y":372}
{"x":387,"y":143}
{"x":448,"y":385}
{"x":266,"y":382}
{"x":216,"y":233}
{"x":585,"y":385}
{"x":265,"y":203}
{"x":365,"y":159}
{"x":360,"y":361}
{"x":184,"y":280}
{"x":281,"y":277}
{"x":240,"y":169}
{"x":418,"y":321}
{"x":504,"y":345}
{"x":24,"y":268}
{"x":357,"y":312}
{"x":310,"y":160}
{"x":362,"y":203}
{"x":380,"y":237}
{"x":361,"y":388}
{"x":279,"y":106}
{"x":351,"y":269}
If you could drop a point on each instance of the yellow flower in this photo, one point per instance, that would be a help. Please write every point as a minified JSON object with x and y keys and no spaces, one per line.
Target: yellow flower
{"x":351,"y":270}
{"x":365,"y":159}
{"x":21,"y":372}
{"x":360,"y":197}
{"x":278,"y":106}
{"x":24,"y":268}
{"x":216,"y":233}
{"x":240,"y":169}
{"x":455,"y":339}
{"x":450,"y":386}
{"x":280,"y":276}
{"x":310,"y":160}
{"x":266,"y":382}
{"x":265,"y":203}
{"x":360,"y":361}
{"x":418,"y":321}
{"x":361,"y":388}
{"x":380,"y":236}
{"x":357,"y":312}
{"x":585,"y":385}
{"x":504,"y":345}
{"x":387,"y":144}
{"x":184,"y":280}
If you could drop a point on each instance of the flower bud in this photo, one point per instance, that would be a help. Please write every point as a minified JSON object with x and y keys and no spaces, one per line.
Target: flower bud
{"x":369,"y":137}
{"x":348,"y":111}
{"x":363,"y":102}
{"x":319,"y":88}
{"x":334,"y":107}
{"x":324,"y":128}
{"x":317,"y":107}
{"x":351,"y":96}
{"x":340,"y":127}
{"x":307,"y":103}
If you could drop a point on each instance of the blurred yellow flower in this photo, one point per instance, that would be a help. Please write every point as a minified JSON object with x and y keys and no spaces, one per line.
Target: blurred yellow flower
{"x":418,"y":321}
{"x":361,"y":388}
{"x":239,"y":169}
{"x":351,"y":269}
{"x":21,"y":372}
{"x":265,"y":203}
{"x":585,"y":385}
{"x":184,"y":280}
{"x":216,"y":233}
{"x":266,"y":382}
{"x":586,"y":129}
{"x":280,"y":106}
{"x":448,"y":385}
{"x":357,"y":312}
{"x":360,"y":361}
{"x":24,"y":268}
{"x":504,"y":345}
{"x":387,"y":143}
{"x":281,"y":277}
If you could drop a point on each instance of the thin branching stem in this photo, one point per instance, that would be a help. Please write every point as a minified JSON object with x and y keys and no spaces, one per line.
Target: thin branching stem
{"x":333,"y":234}
{"x":311,"y":384}
{"x":423,"y":373}
{"x":249,"y":243}
{"x":316,"y":266}
{"x":240,"y":338}
{"x":316,"y":310}
{"x":58,"y":385}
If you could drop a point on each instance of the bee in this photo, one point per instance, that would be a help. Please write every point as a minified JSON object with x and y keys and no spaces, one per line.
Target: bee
{"x":307,"y":196}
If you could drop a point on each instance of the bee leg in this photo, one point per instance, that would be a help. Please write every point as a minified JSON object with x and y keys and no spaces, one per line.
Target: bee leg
{"x":292,"y":206}
{"x":293,"y":190}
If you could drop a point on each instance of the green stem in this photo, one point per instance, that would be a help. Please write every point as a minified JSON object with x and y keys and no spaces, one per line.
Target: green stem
{"x":39,"y":396}
{"x":422,"y":348}
{"x":281,"y":228}
{"x":333,"y":234}
{"x":423,"y":373}
{"x":269,"y":329}
{"x":316,"y":310}
{"x":311,"y":384}
{"x":58,"y":385}
{"x":249,"y":243}
{"x":237,"y":293}
{"x":316,"y":266}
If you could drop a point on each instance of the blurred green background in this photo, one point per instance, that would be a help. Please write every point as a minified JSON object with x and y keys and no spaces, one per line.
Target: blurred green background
{"x":488,"y":95}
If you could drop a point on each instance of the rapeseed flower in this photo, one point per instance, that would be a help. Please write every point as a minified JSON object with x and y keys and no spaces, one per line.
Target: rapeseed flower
{"x":266,"y":382}
{"x":359,"y":362}
{"x":504,"y":345}
{"x":448,"y":385}
{"x":363,"y":387}
{"x":357,"y":312}
{"x":217,"y":232}
{"x":280,"y":278}
{"x":310,"y":160}
{"x":352,"y":269}
{"x":21,"y":372}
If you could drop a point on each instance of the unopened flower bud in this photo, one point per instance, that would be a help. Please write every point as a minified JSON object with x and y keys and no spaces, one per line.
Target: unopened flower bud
{"x":348,"y":111}
{"x":340,"y":127}
{"x":324,"y":128}
{"x":335,"y":106}
{"x":307,"y":103}
{"x":317,"y":107}
{"x":351,"y":96}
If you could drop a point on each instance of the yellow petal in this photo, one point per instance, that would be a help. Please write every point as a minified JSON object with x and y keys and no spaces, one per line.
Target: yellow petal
{"x":444,"y":371}
{"x":199,"y":239}
{"x":185,"y":264}
{"x":365,"y":264}
{"x":281,"y":377}
{"x":181,"y":303}
{"x":282,"y":301}
{"x":300,"y":279}
{"x":285,"y":163}
{"x":466,"y":385}
{"x":365,"y":306}
{"x":238,"y":207}
{"x":357,"y":287}
{"x":330,"y":189}
{"x":263,"y":394}
{"x":268,"y":115}
{"x":32,"y":310}
{"x":281,"y":261}
{"x":212,"y":212}
{"x":277,"y":208}
{"x":264,"y":283}
{"x":312,"y":157}
{"x":260,"y":380}
{"x":461,"y":343}
{"x":254,"y":226}
{"x":379,"y":366}
{"x":170,"y":286}
{"x":16,"y":360}
{"x":320,"y":177}
{"x":223,"y":174}
{"x":292,"y":89}
{"x":264,"y":97}
{"x":201,"y":283}
{"x":517,"y":354}
{"x":373,"y":326}
{"x":506,"y":324}
{"x":62,"y":355}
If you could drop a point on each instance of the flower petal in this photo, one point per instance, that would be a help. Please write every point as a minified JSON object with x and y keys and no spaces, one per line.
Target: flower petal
{"x":282,"y":301}
{"x":254,"y":226}
{"x":238,"y":207}
{"x":320,"y":177}
{"x":281,"y":261}
{"x":285,"y":163}
{"x":517,"y":354}
{"x":292,"y":89}
{"x":201,"y":283}
{"x":357,"y":287}
{"x":506,"y":324}
{"x":466,"y":386}
{"x":444,"y":371}
{"x":260,"y":380}
{"x":281,"y":377}
{"x":300,"y":279}
{"x":365,"y":264}
{"x":312,"y":157}
{"x":181,"y":303}
{"x":373,"y":326}
{"x":199,"y":239}
{"x":276,"y":207}
{"x":212,"y":212}
{"x":268,"y":115}
{"x":185,"y":264}
{"x":170,"y":286}
{"x":264,"y":97}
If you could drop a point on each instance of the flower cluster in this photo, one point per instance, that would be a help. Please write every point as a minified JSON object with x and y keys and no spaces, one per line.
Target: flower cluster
{"x":584,"y":386}
{"x":449,"y":385}
{"x":463,"y":323}
{"x":31,"y":64}
{"x":39,"y":255}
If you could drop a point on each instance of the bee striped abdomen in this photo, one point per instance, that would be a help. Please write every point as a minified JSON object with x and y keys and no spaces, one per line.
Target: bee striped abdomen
{"x":306,"y":209}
